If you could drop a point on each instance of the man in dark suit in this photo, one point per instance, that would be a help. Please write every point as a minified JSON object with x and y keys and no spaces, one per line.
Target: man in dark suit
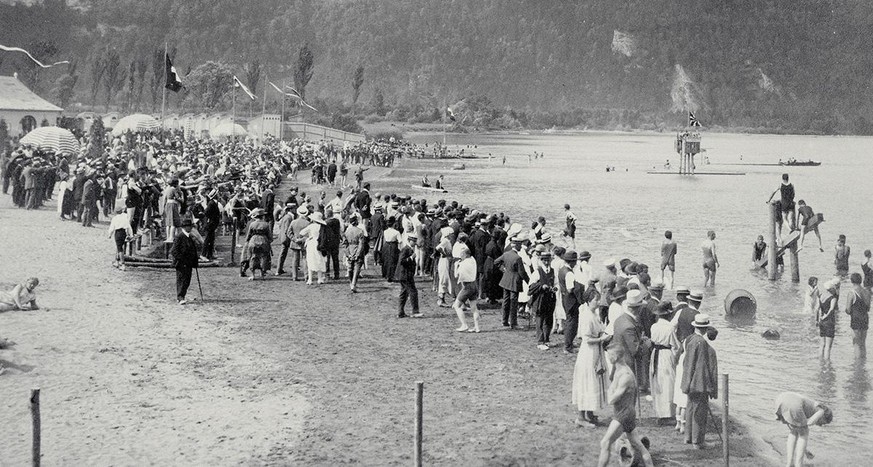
{"x":514,"y":275}
{"x":333,"y":235}
{"x":479,"y":241}
{"x":699,"y":380}
{"x":627,"y":335}
{"x":211,"y":221}
{"x":405,"y":275}
{"x":685,"y":316}
{"x":185,"y":259}
{"x":362,"y":203}
{"x":89,"y":201}
{"x":78,"y":188}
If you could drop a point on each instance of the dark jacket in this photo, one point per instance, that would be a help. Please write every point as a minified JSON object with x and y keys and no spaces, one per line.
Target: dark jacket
{"x":627,"y":338}
{"x":701,"y":367}
{"x":405,"y":265}
{"x":184,"y":252}
{"x":478,"y":242}
{"x":514,"y":273}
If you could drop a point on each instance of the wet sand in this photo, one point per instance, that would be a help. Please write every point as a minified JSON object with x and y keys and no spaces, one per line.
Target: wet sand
{"x":275,"y":372}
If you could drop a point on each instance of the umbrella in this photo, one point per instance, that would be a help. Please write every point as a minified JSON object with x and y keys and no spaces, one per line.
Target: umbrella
{"x":228,"y":129}
{"x":57,"y":139}
{"x":135,"y":122}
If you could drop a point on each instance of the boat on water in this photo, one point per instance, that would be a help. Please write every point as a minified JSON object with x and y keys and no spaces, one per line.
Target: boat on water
{"x":796,"y":163}
{"x":430,"y":188}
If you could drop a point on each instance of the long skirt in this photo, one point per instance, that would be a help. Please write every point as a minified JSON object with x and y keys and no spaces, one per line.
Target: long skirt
{"x":390,"y":255}
{"x":172,"y":214}
{"x":663,"y":384}
{"x":589,"y":388}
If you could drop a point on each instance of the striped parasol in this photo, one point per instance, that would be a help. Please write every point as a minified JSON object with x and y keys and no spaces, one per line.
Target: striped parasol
{"x":57,"y":139}
{"x":135,"y":122}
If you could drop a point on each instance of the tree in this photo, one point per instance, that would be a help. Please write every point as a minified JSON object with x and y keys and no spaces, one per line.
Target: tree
{"x":357,"y":82}
{"x":253,"y":75}
{"x":303,"y":70}
{"x":115,"y":75}
{"x":67,"y":84}
{"x":210,"y":83}
{"x":95,"y":139}
{"x":158,"y":71}
{"x":131,"y":85}
{"x":98,"y":70}
{"x":141,"y":66}
{"x":379,"y":103}
{"x":43,"y":51}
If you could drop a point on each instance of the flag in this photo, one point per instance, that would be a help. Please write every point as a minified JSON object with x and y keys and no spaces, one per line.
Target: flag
{"x":296,"y":95}
{"x":173,"y":82}
{"x":280,"y":91}
{"x":238,"y":84}
{"x":451,"y":114}
{"x":692,"y":120}
{"x":42,"y":65}
{"x":294,"y":92}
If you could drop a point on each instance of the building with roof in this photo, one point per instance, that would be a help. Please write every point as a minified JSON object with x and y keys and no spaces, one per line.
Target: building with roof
{"x":22,"y":109}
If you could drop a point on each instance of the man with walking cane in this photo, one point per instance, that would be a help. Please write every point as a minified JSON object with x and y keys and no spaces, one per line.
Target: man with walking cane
{"x":185,"y":259}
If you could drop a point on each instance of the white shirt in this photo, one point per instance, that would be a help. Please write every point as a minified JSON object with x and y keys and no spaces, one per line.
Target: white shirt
{"x":467,"y":270}
{"x":121,"y":221}
{"x":615,"y":310}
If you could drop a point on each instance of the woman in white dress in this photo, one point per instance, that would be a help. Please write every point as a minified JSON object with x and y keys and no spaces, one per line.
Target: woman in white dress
{"x":316,"y":262}
{"x":560,"y":314}
{"x":665,"y":352}
{"x":589,"y":378}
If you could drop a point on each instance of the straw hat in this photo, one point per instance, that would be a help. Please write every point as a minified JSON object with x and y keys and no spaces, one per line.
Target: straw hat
{"x":634,"y":299}
{"x":302,"y":210}
{"x":701,"y":320}
{"x":257,"y":212}
{"x":570,"y":256}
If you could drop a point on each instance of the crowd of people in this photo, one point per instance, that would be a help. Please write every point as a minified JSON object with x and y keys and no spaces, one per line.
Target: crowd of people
{"x":628,"y":341}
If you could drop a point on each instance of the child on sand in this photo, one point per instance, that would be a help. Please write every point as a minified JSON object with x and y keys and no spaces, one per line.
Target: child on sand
{"x":622,"y":397}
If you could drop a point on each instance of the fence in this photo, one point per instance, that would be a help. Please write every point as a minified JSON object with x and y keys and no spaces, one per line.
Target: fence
{"x":310,"y":132}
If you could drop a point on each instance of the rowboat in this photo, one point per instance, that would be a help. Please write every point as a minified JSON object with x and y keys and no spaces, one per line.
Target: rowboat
{"x":430,"y":188}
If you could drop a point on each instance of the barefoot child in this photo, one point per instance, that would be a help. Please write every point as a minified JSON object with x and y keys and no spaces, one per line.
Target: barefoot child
{"x":466,"y":274}
{"x":622,"y":397}
{"x":120,"y":230}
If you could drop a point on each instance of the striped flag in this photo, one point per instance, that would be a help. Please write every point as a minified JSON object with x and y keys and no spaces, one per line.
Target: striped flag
{"x":293,"y":93}
{"x":238,"y":84}
{"x":173,"y":82}
{"x":281,"y":91}
{"x":39,"y":63}
{"x":692,"y":120}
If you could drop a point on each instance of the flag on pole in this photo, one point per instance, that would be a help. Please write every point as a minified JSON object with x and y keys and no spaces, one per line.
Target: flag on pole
{"x":39,"y":63}
{"x":238,"y":84}
{"x":280,"y":91}
{"x":293,"y":93}
{"x":173,"y":82}
{"x":451,"y":114}
{"x":692,"y":120}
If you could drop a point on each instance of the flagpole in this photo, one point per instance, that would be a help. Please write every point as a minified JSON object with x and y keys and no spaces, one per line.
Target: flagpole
{"x":164,"y":95}
{"x":264,"y":109}
{"x":233,"y":115}
{"x":445,"y":125}
{"x":282,"y":116}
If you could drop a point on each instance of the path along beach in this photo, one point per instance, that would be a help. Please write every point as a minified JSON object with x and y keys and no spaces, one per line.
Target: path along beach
{"x":273,"y":372}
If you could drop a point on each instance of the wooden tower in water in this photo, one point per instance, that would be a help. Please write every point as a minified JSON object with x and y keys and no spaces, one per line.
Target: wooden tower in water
{"x":687,"y":145}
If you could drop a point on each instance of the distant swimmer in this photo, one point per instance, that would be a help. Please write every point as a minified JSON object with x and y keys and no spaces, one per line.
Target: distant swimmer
{"x":710,"y":259}
{"x":667,"y":165}
{"x":668,"y":259}
{"x":570,"y":229}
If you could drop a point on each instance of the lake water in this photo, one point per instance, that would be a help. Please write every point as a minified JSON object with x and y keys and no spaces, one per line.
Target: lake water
{"x":624,"y":214}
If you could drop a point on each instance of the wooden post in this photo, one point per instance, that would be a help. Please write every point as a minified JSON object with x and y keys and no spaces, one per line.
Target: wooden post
{"x":725,"y":404}
{"x":794,"y":263}
{"x":34,"y":411}
{"x":419,"y":409}
{"x":233,"y":241}
{"x":771,"y":250}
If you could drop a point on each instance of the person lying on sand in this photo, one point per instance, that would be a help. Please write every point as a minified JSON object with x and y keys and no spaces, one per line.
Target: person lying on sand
{"x":22,"y":296}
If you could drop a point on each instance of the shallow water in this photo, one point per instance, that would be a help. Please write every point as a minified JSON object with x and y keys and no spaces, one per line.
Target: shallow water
{"x":624,"y":214}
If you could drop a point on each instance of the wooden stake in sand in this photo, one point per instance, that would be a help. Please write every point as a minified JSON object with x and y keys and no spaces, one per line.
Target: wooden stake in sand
{"x":419,"y":410}
{"x":725,"y":439}
{"x":34,"y":411}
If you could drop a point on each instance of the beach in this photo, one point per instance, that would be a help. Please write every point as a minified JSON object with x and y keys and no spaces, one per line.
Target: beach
{"x":275,"y":372}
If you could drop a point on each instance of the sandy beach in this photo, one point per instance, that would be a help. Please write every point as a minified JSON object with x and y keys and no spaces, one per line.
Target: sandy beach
{"x":274,"y":372}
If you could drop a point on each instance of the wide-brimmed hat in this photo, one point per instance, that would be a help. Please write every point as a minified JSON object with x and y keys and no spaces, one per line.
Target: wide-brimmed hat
{"x":656,"y":287}
{"x":514,"y":229}
{"x":584,"y":256}
{"x":540,"y":249}
{"x":663,"y":308}
{"x":257,"y":212}
{"x":682,"y":291}
{"x":317,"y":217}
{"x":570,"y":256}
{"x":619,"y":293}
{"x":546,"y":238}
{"x":634,"y":298}
{"x":546,"y":255}
{"x":701,"y":320}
